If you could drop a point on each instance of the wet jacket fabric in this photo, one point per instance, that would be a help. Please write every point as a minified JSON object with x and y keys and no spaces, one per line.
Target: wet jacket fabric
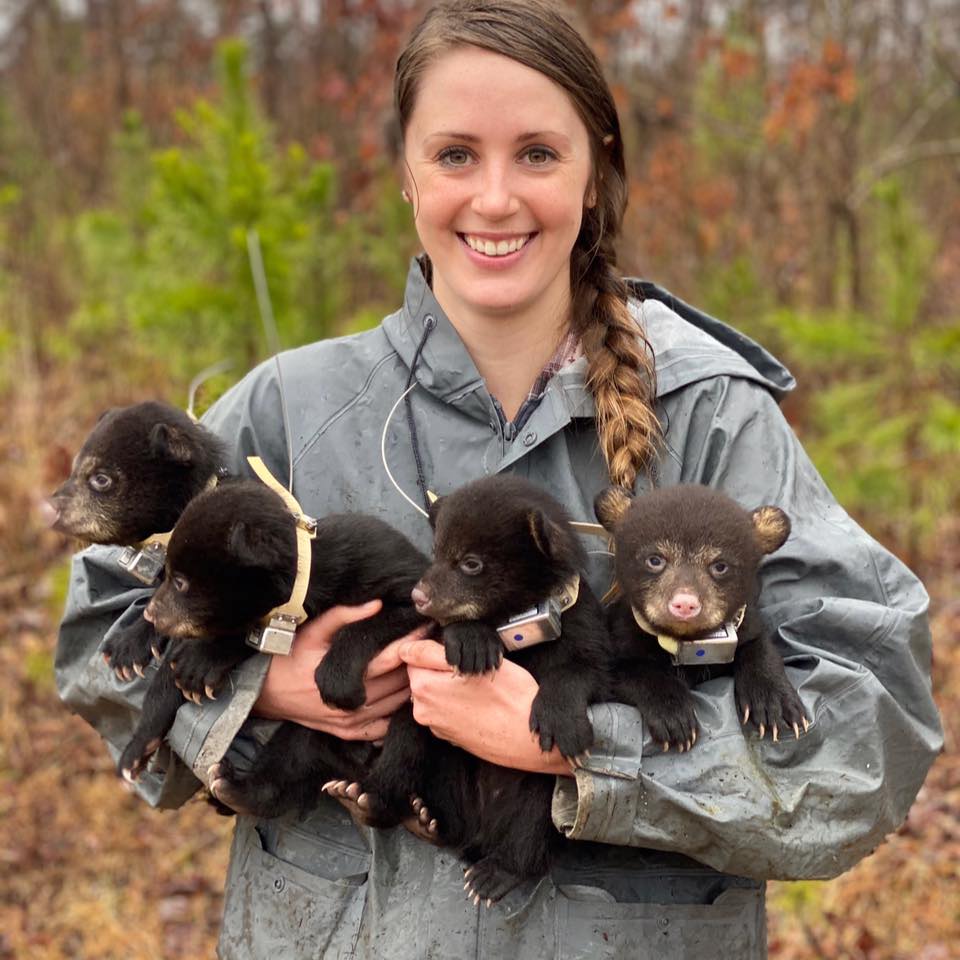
{"x":667,"y":853}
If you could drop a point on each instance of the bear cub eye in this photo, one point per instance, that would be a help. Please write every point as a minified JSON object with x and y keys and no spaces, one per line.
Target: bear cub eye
{"x":100,"y":482}
{"x":180,"y":583}
{"x":719,"y":567}
{"x":471,"y":565}
{"x":655,"y":562}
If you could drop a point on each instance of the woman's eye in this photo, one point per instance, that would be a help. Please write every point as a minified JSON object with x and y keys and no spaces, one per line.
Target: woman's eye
{"x":718,"y":568}
{"x":454,"y":157}
{"x":100,"y":482}
{"x":538,"y":156}
{"x":180,"y":584}
{"x":655,"y":562}
{"x":471,"y":566}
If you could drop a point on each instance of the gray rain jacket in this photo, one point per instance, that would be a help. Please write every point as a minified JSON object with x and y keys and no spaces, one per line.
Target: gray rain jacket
{"x":671,"y":850}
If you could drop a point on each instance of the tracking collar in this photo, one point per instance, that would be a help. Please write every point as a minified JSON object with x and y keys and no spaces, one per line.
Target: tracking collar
{"x":145,"y":560}
{"x":718,"y":646}
{"x":275,"y":634}
{"x":541,"y":623}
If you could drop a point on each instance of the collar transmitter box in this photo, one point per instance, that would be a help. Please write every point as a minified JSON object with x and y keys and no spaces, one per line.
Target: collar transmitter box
{"x":145,"y":564}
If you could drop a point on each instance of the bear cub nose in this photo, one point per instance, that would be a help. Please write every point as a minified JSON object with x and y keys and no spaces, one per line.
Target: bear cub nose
{"x":420,"y":597}
{"x":685,"y":606}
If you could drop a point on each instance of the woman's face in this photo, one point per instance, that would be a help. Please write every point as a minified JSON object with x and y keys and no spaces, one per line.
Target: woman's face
{"x":499,"y":168}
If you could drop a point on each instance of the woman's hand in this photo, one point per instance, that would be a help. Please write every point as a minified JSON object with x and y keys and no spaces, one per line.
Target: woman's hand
{"x":290,"y":692}
{"x":487,"y":715}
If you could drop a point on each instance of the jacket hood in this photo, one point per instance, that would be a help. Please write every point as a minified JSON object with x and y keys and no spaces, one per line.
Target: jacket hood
{"x":689,"y":345}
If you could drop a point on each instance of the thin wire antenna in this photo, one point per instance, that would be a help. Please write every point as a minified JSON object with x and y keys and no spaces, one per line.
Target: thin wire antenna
{"x":383,"y":450}
{"x":273,"y":338}
{"x":198,"y":381}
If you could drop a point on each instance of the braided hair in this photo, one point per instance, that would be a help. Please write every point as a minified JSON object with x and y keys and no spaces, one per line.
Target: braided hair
{"x":620,"y":364}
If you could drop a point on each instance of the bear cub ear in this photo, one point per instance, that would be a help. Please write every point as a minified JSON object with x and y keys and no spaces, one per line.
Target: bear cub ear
{"x":557,"y":544}
{"x":171,"y":443}
{"x":610,"y":505}
{"x":771,"y":527}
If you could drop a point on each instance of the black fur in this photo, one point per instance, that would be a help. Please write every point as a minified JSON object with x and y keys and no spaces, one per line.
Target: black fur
{"x":681,"y":549}
{"x":501,"y":546}
{"x":230,"y":561}
{"x":135,"y":473}
{"x":132,"y":478}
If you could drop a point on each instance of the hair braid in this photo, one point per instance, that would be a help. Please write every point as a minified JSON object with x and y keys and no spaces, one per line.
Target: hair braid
{"x":620,"y":367}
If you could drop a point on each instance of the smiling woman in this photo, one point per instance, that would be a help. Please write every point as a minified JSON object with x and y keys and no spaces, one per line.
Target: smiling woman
{"x":499,"y":206}
{"x":520,"y":349}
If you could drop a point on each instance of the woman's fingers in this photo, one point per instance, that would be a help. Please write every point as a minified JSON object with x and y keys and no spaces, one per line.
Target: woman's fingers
{"x":389,"y":658}
{"x":424,"y":653}
{"x":370,"y":721}
{"x":320,"y":630}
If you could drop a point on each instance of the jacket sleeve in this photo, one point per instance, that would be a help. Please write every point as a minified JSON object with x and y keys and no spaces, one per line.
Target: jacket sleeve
{"x":850,"y":621}
{"x":103,"y":599}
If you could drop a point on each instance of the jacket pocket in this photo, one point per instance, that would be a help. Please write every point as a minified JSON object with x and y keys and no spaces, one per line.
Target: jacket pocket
{"x":732,"y":926}
{"x":273,"y":908}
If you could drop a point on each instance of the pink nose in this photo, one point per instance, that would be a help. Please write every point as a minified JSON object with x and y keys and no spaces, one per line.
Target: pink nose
{"x":421,"y":599}
{"x":148,"y":612}
{"x":685,"y":606}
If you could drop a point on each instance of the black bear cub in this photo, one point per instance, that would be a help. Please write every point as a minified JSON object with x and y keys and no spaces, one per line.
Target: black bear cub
{"x":132,"y":478}
{"x":232,"y":559}
{"x":503,"y":546}
{"x":687,"y":561}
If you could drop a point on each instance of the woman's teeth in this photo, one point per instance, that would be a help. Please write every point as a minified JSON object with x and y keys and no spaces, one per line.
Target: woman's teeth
{"x":491,"y":249}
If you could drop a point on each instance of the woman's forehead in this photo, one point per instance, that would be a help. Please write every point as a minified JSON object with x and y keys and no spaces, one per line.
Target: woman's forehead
{"x":477,"y":93}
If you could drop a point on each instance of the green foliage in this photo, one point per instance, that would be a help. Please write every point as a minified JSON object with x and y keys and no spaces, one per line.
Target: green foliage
{"x":169,"y":262}
{"x":883,"y":425}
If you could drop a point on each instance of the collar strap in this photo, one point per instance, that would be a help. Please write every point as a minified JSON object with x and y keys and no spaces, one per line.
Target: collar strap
{"x":672,"y":644}
{"x":145,"y":560}
{"x":306,"y":528}
{"x":567,"y":594}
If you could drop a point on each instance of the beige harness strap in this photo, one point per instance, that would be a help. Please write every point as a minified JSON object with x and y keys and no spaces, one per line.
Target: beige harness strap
{"x":306,"y":531}
{"x":672,"y":644}
{"x":568,"y":593}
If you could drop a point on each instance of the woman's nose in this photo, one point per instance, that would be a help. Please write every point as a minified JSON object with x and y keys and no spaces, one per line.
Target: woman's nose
{"x":495,"y":197}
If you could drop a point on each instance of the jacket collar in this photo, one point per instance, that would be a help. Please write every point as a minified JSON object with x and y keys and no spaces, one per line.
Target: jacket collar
{"x":689,"y":345}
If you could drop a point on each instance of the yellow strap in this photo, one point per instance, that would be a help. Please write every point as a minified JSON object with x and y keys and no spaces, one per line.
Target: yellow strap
{"x":306,"y":531}
{"x":598,"y":531}
{"x":670,"y":644}
{"x":568,"y":593}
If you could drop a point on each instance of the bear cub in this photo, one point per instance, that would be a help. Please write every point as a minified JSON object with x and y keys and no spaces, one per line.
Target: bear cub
{"x":502,"y":546}
{"x":232,"y":559}
{"x":132,"y":478}
{"x":687,"y":562}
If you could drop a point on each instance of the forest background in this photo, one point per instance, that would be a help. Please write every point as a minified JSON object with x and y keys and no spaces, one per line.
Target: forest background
{"x":794,"y":170}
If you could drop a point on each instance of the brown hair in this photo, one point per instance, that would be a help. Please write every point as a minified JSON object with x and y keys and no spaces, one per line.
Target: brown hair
{"x":620,"y":366}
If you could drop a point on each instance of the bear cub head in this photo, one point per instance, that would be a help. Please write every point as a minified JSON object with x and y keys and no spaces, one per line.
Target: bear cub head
{"x":687,"y":557}
{"x":501,"y":545}
{"x":134,"y":474}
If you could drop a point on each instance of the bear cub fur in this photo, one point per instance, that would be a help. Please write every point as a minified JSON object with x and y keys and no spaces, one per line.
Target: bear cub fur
{"x":232,"y":559}
{"x":132,"y":478}
{"x":501,"y":546}
{"x":687,"y":562}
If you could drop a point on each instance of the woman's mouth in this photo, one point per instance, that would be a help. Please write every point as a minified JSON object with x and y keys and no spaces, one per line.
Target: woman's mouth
{"x":495,"y":251}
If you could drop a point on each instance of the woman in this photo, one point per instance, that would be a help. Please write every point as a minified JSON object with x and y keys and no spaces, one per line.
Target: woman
{"x":526,"y":353}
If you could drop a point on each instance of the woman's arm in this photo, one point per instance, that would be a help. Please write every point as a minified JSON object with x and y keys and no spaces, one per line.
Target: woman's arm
{"x":851,"y":623}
